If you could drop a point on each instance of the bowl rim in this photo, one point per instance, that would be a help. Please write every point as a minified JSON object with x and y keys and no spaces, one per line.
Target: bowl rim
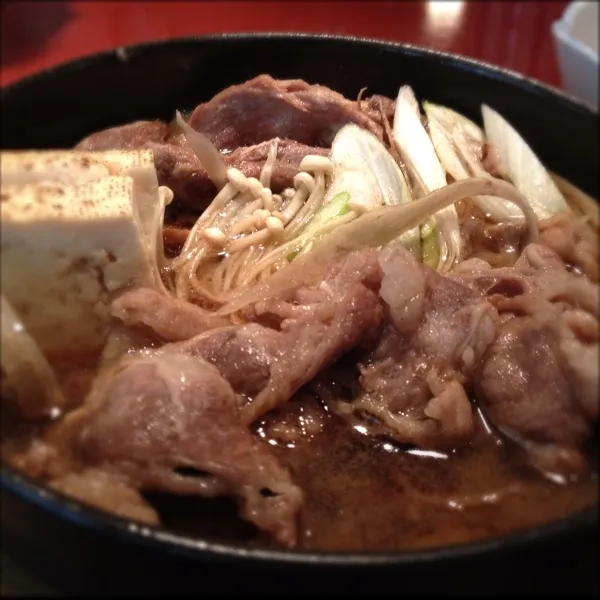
{"x":56,"y":504}
{"x":452,"y":59}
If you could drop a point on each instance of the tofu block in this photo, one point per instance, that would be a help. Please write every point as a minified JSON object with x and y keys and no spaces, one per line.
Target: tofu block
{"x":71,"y":167}
{"x":75,"y":229}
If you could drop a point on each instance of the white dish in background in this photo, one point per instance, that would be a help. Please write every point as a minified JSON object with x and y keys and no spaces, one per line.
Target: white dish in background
{"x":576,"y":40}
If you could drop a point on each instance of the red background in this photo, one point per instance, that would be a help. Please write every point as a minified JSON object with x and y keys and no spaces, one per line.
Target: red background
{"x":516,"y":35}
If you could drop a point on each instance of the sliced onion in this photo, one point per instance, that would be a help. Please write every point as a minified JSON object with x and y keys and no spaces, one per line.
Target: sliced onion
{"x":367,"y":172}
{"x":457,"y":141}
{"x":414,"y":143}
{"x":524,"y":168}
{"x":207,"y":154}
{"x":26,"y":374}
{"x":450,"y":118}
{"x":443,"y":143}
{"x":357,"y":151}
{"x":374,"y":229}
{"x":416,"y":148}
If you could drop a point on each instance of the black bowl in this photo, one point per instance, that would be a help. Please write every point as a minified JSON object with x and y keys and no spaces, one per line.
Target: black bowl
{"x":75,"y":549}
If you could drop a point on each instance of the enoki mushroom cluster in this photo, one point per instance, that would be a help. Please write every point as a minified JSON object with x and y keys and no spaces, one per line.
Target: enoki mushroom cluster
{"x":232,"y":244}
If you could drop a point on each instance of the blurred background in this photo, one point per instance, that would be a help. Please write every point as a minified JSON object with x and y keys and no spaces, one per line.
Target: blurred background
{"x":516,"y":35}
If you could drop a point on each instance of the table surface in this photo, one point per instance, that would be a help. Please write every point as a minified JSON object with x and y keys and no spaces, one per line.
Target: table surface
{"x":515,"y":35}
{"x":38,"y":35}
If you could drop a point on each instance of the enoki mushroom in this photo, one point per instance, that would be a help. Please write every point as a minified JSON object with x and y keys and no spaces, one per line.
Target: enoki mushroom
{"x":247,"y":230}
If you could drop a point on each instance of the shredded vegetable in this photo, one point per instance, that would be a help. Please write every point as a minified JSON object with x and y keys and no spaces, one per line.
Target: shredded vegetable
{"x":374,"y":229}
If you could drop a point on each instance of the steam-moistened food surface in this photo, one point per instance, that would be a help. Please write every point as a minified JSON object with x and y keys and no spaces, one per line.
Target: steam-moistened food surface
{"x":294,"y":319}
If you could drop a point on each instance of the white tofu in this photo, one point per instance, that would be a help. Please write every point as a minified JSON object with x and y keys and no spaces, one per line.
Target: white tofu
{"x":70,"y":240}
{"x":71,"y":167}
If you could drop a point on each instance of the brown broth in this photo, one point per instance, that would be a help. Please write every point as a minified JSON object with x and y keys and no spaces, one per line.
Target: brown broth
{"x":366,"y":494}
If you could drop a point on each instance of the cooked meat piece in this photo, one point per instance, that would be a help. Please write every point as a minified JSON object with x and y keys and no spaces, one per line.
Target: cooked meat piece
{"x":299,"y":419}
{"x":243,"y":354}
{"x":574,"y":241}
{"x":538,"y":273}
{"x":569,"y":235}
{"x":242,"y":121}
{"x":125,"y":137}
{"x":539,"y":380}
{"x":523,"y":390}
{"x":318,"y":326}
{"x":106,"y":491}
{"x":497,"y":243}
{"x":250,"y":160}
{"x":161,"y":414}
{"x":179,"y":169}
{"x":314,"y":328}
{"x":578,"y":337}
{"x":413,"y":380}
{"x":307,"y":331}
{"x":265,"y":108}
{"x":173,"y":320}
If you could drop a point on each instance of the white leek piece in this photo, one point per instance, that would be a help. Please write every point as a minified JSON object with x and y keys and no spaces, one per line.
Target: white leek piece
{"x":365,"y":171}
{"x":416,"y":148}
{"x":457,"y":141}
{"x":523,"y":167}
